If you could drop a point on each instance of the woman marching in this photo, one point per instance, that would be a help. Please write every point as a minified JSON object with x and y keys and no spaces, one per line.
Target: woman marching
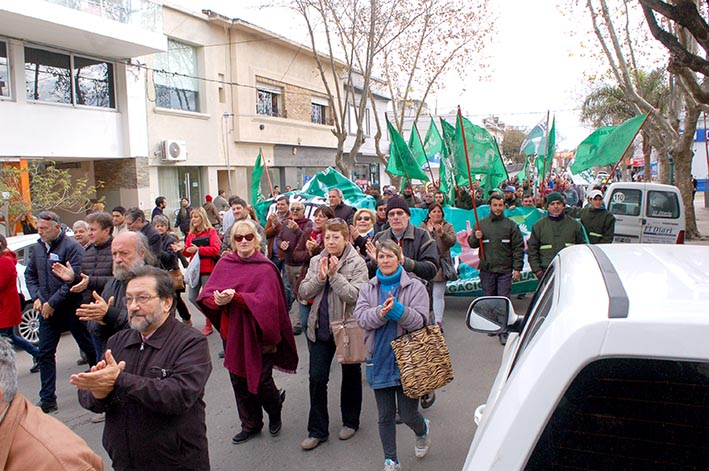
{"x":390,"y":305}
{"x":333,"y":281}
{"x":245,"y":298}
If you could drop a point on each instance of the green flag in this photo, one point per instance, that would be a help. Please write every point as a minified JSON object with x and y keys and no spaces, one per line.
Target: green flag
{"x":613,"y":147}
{"x":448,"y":135}
{"x":416,"y":147}
{"x":483,"y":153}
{"x":532,"y":144}
{"x":401,"y":160}
{"x":256,"y":194}
{"x":545,"y":156}
{"x":522,"y":175}
{"x":436,"y":150}
{"x":587,"y":150}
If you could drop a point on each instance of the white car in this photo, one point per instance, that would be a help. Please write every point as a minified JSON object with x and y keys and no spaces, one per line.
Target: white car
{"x":608,"y":369}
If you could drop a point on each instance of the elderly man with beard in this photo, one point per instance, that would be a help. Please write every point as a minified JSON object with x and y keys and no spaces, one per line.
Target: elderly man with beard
{"x":107,"y":313}
{"x":151,"y":383}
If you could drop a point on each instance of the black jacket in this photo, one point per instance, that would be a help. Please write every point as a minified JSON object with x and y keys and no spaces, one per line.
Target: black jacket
{"x":155,"y":415}
{"x":153,"y":237}
{"x":345,"y":212}
{"x":168,"y":257}
{"x":98,"y":264}
{"x":420,"y":252}
{"x":116,"y":318}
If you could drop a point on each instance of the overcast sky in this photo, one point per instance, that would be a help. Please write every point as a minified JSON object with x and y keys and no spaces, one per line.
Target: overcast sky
{"x":532,"y":59}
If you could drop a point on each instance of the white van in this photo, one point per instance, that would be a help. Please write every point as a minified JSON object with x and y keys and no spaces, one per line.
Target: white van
{"x":646,"y":213}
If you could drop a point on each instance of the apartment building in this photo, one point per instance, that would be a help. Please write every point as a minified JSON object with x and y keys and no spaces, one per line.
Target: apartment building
{"x":69,"y":89}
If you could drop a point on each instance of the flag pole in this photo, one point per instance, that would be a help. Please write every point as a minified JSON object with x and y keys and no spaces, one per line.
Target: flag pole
{"x":547,"y":144}
{"x":470,"y":177}
{"x":544,"y":164}
{"x":265,"y":167}
{"x":605,"y":182}
{"x":430,"y":171}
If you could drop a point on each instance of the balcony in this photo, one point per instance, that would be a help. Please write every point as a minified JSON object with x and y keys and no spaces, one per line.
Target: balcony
{"x":113,"y":29}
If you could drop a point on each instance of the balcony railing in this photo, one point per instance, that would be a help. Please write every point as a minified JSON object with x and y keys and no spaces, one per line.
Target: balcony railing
{"x":143,"y":14}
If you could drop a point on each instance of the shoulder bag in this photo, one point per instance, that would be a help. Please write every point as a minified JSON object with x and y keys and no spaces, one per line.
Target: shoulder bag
{"x":349,"y":339}
{"x":424,"y":361}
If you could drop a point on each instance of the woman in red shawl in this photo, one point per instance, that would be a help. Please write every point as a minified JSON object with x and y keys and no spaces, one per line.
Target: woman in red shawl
{"x":245,"y":297}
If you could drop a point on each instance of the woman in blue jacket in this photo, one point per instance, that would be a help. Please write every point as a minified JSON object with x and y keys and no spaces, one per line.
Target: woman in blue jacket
{"x":389,"y":305}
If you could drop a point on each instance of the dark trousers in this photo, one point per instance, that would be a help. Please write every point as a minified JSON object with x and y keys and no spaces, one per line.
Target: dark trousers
{"x":496,"y":284}
{"x":50,"y":331}
{"x":19,"y":342}
{"x":321,"y":354}
{"x":387,"y":399}
{"x":182,"y":309}
{"x":249,"y":405}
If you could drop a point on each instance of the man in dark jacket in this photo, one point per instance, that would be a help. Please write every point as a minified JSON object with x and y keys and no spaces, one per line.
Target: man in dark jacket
{"x":381,"y":222}
{"x":598,"y":222}
{"x":57,"y":304}
{"x":551,"y":234}
{"x":135,"y":220}
{"x":182,"y":220}
{"x":151,"y":383}
{"x":342,"y":210}
{"x":503,"y":245}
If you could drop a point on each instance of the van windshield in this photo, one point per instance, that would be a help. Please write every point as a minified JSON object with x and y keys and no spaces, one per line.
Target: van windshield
{"x":662,"y":204}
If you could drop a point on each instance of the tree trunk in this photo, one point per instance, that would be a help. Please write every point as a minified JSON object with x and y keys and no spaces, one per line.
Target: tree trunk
{"x":683,"y":155}
{"x":647,"y":153}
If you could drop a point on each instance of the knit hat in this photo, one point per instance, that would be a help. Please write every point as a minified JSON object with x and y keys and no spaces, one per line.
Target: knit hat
{"x":554,"y":196}
{"x":397,"y":202}
{"x":208,"y":198}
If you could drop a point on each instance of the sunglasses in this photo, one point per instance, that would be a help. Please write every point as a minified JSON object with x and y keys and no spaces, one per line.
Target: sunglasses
{"x":239,"y":237}
{"x":364,"y":218}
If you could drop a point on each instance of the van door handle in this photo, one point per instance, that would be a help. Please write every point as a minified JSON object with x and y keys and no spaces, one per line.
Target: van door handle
{"x":643,"y":221}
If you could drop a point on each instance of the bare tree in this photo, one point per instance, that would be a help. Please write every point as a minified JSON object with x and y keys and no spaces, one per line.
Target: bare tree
{"x":663,"y":127}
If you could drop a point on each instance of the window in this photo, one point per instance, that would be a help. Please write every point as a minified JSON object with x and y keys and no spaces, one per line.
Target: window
{"x":319,"y":110}
{"x":94,"y":84}
{"x":629,"y":413}
{"x":65,"y":78}
{"x":269,"y":101}
{"x":177,"y":87}
{"x":662,"y":204}
{"x":48,"y":76}
{"x":625,"y":202}
{"x":4,"y":71}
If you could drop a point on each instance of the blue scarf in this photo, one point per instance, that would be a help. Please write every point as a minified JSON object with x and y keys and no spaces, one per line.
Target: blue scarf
{"x":383,"y":371}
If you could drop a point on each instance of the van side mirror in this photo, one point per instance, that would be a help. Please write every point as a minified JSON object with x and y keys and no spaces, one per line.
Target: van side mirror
{"x":490,"y":315}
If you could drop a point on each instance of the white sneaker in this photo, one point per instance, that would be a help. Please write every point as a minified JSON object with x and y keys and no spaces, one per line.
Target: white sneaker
{"x":423,"y":442}
{"x":391,"y":465}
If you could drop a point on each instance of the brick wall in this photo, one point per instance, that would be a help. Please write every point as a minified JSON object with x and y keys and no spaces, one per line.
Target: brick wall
{"x":122,"y":173}
{"x":296,"y":100}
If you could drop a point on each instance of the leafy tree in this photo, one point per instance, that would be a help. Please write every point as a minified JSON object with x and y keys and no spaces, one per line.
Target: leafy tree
{"x":511,"y":142}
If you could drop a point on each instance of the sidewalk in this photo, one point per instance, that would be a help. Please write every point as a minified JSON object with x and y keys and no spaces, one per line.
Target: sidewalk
{"x":702,"y":215}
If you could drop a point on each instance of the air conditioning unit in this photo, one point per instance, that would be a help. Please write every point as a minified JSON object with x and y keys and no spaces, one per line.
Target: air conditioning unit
{"x":174,"y":151}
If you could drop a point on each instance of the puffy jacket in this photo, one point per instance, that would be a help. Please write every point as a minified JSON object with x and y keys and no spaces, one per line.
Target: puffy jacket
{"x":420,"y":251}
{"x":344,"y":287}
{"x":549,"y":237}
{"x":10,"y":309}
{"x":503,"y":244}
{"x":412,"y":294}
{"x":98,"y":264}
{"x":42,"y":283}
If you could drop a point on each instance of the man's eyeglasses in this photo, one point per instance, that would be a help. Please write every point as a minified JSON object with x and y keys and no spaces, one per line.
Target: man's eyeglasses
{"x":239,"y":237}
{"x":364,"y":218}
{"x":142,"y":300}
{"x":296,"y":209}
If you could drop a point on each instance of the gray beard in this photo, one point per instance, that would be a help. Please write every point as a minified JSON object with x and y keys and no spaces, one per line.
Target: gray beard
{"x":121,"y":274}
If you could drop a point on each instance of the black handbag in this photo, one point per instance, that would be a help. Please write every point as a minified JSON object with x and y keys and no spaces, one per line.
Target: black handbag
{"x":449,"y":271}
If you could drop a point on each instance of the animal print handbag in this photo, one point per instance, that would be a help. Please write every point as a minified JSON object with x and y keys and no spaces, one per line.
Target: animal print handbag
{"x":424,"y":361}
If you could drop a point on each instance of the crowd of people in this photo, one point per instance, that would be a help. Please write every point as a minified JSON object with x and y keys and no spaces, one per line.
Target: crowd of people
{"x":112,"y":287}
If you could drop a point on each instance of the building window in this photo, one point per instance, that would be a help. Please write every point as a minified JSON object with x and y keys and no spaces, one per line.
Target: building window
{"x":64,"y":78}
{"x":319,"y":110}
{"x":93,"y":81}
{"x":176,"y":83}
{"x":269,"y":101}
{"x":48,"y":76}
{"x":4,"y":71}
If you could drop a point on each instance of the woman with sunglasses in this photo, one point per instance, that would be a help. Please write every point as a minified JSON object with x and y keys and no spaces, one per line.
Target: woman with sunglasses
{"x":390,"y":305}
{"x":309,"y":245}
{"x":363,"y":230}
{"x":332,"y":282}
{"x":245,"y":298}
{"x":444,"y":234}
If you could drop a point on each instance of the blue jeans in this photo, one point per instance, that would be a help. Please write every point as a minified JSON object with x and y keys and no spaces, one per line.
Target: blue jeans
{"x":496,"y":284}
{"x":19,"y":342}
{"x":321,"y":354}
{"x":50,"y":331}
{"x":304,"y":310}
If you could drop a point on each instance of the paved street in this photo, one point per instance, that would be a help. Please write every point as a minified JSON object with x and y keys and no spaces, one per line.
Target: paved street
{"x":475,"y":361}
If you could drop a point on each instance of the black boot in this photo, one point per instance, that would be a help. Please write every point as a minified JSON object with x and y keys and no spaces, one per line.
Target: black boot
{"x":35,"y":365}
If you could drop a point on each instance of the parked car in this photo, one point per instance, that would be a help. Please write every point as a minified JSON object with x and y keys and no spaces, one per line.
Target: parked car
{"x":29,"y":327}
{"x":608,"y":369}
{"x":647,"y":213}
